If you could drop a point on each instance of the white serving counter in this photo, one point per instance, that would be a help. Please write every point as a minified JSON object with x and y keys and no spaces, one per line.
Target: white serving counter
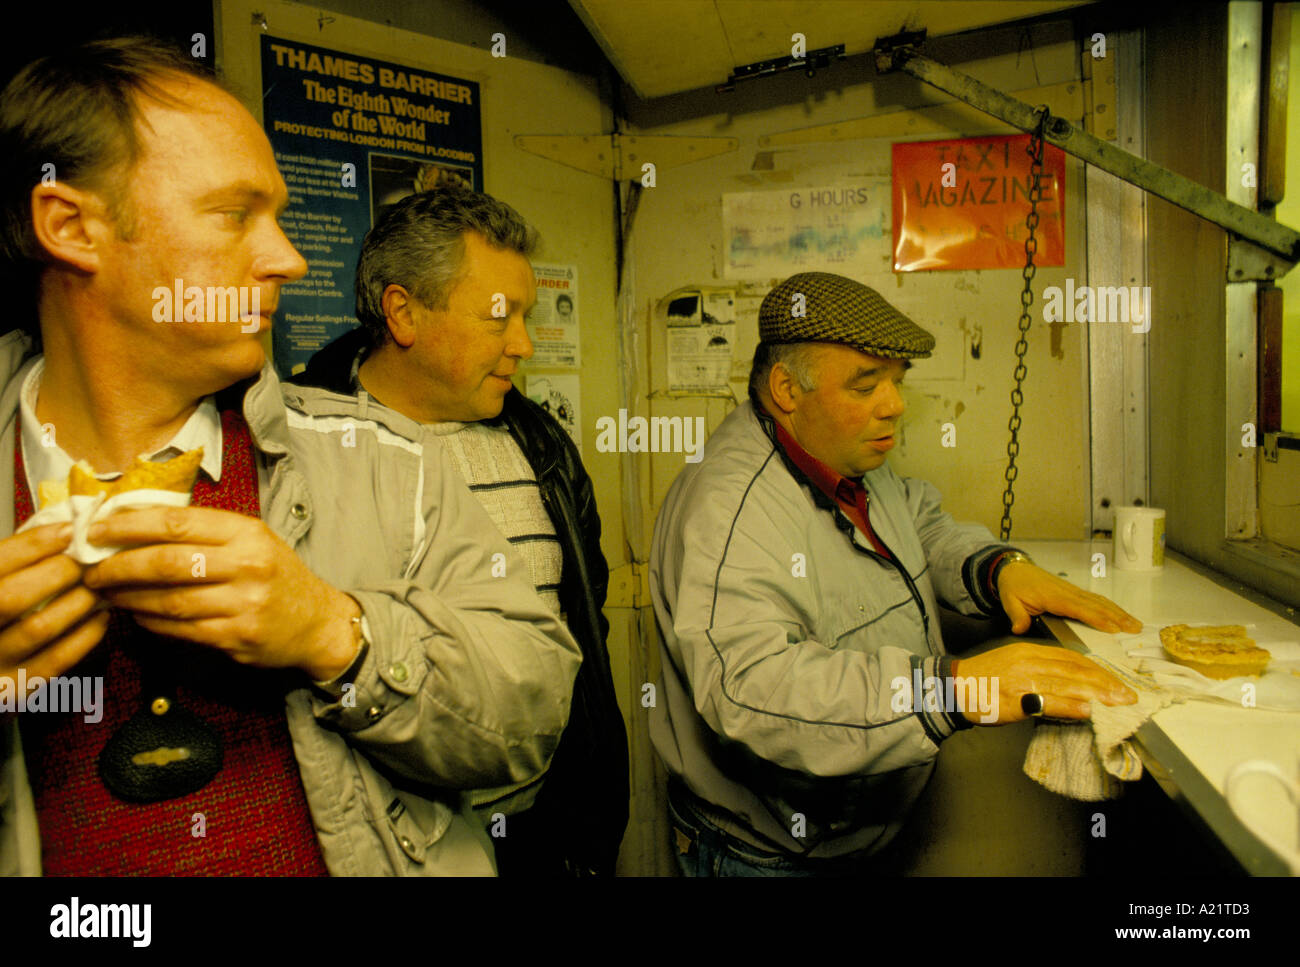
{"x":1190,"y":747}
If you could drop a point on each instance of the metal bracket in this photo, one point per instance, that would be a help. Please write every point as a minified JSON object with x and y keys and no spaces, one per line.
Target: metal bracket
{"x":629,"y":586}
{"x":1066,"y":100}
{"x":1099,"y":112}
{"x":1270,"y":447}
{"x":810,"y":64}
{"x":1248,"y":262}
{"x":620,"y":156}
{"x":890,"y":52}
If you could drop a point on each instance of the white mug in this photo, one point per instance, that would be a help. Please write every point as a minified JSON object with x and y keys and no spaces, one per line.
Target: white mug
{"x":1289,"y":853}
{"x":1139,"y":538}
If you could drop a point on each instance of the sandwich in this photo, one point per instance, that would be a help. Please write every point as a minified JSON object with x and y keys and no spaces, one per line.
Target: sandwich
{"x":176,"y":475}
{"x":1219,"y":652}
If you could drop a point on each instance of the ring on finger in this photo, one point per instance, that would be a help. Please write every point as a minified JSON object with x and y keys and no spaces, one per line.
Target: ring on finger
{"x":1031,"y":703}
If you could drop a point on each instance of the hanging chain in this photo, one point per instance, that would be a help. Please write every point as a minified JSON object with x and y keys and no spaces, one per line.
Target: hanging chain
{"x":1035,"y":151}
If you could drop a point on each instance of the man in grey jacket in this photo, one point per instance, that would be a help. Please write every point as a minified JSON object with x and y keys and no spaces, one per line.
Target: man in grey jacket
{"x":805,"y":688}
{"x":443,"y":288}
{"x":320,"y":711}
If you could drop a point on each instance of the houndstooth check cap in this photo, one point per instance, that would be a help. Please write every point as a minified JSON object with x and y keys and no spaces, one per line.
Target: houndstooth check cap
{"x":840,"y":310}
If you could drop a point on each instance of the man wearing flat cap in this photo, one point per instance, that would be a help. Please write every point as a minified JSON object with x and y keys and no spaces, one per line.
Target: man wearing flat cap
{"x":796,"y":581}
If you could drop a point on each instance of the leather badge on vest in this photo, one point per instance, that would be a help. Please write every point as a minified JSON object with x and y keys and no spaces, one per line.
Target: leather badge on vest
{"x":162,"y":752}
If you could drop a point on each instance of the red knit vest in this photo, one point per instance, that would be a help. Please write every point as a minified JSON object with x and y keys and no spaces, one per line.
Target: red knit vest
{"x":255,"y":818}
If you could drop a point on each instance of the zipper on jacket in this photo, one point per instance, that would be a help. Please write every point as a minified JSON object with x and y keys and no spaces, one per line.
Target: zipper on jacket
{"x":766,"y":425}
{"x":911,"y":586}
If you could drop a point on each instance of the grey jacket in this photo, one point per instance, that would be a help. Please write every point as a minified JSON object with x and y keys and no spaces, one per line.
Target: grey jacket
{"x":468,"y":678}
{"x":783,"y":635}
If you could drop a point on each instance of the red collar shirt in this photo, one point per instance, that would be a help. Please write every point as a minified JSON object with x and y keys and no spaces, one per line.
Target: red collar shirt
{"x":852,"y":498}
{"x":849,"y":494}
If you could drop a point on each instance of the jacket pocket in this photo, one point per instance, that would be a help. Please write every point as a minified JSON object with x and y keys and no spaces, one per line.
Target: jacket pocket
{"x":406,"y":830}
{"x":869,"y":624}
{"x":437,"y":841}
{"x":408,"y":825}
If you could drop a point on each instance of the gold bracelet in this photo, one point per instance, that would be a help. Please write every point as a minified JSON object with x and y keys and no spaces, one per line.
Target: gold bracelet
{"x":1008,"y":557}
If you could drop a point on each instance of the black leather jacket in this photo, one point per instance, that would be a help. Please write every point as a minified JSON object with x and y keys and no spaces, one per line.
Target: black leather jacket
{"x":581,"y":811}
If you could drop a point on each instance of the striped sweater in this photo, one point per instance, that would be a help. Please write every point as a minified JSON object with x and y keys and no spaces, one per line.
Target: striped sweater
{"x":500,"y":477}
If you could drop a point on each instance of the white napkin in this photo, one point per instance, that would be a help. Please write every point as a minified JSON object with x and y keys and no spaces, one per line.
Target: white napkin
{"x":87,"y":510}
{"x":1278,"y":688}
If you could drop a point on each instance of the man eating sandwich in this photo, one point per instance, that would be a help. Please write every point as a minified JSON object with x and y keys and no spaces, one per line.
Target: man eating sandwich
{"x":307,"y":668}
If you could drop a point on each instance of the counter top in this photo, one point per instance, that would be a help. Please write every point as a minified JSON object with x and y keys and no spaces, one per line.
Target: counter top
{"x":1190,"y":747}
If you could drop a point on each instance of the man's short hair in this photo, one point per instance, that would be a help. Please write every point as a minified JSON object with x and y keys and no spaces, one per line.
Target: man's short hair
{"x":72,"y":116}
{"x":796,"y":357}
{"x":419,"y":244}
{"x":76,"y":110}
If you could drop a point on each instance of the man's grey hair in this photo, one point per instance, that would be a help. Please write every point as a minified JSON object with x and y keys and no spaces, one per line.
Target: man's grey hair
{"x":419,"y":244}
{"x":797,"y":357}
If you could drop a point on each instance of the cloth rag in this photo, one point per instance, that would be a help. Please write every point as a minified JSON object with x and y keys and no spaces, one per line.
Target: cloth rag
{"x":1092,"y":760}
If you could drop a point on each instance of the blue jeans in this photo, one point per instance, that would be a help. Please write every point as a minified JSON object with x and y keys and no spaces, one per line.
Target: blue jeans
{"x":702,"y":849}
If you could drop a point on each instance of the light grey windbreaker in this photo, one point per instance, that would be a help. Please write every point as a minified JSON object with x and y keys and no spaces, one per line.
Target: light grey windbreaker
{"x":469,"y":676}
{"x":784,"y":634}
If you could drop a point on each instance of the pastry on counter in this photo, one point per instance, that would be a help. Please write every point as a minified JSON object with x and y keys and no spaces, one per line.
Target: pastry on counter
{"x":1218,"y":651}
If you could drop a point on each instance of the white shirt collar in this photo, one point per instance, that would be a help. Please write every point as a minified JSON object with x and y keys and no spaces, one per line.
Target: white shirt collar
{"x":44,"y":459}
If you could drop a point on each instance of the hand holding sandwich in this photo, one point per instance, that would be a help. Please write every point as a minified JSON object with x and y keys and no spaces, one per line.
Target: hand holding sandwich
{"x":225,"y":580}
{"x":208,"y":576}
{"x":48,"y":640}
{"x":49,"y":620}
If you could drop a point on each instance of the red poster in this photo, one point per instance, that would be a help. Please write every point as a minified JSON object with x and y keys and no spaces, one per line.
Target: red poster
{"x":962,"y":204}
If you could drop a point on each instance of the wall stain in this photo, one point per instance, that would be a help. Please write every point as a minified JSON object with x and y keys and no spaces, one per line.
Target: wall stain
{"x":961,"y":408}
{"x":1057,"y":328}
{"x":976,"y":341}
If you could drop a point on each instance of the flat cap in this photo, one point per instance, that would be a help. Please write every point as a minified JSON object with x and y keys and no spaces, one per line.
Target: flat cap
{"x":821,"y":307}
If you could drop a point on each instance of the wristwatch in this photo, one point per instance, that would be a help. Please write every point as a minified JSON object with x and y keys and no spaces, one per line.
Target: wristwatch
{"x":1006,"y":559}
{"x":348,"y":676}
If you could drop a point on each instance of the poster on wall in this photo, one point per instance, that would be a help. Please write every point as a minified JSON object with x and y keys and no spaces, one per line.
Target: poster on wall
{"x":560,"y":395}
{"x":353,"y":136}
{"x":833,"y":228}
{"x":701,"y":334}
{"x":553,"y":323}
{"x":962,"y":204}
